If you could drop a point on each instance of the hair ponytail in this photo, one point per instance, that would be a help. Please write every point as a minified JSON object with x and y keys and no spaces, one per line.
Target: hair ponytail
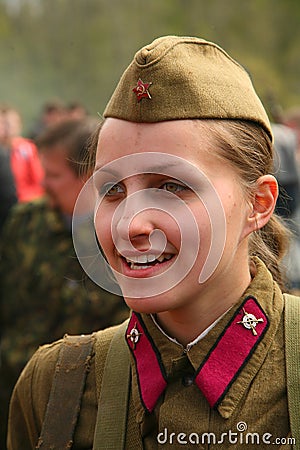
{"x":270,"y":244}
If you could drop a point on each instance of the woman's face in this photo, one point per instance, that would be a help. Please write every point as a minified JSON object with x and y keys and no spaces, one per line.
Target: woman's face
{"x":170,"y":213}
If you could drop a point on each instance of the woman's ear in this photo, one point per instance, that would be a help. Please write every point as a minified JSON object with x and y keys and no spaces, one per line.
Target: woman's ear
{"x":263,"y":202}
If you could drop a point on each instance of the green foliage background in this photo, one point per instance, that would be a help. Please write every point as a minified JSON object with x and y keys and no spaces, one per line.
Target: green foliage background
{"x":77,"y":49}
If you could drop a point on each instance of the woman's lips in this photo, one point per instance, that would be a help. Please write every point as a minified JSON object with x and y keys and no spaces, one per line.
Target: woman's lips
{"x":145,"y":265}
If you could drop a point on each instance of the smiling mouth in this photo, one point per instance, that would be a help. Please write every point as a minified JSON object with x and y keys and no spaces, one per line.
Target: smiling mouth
{"x":145,"y":261}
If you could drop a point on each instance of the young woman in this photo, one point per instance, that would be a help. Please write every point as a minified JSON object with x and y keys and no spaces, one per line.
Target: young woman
{"x":184,"y":217}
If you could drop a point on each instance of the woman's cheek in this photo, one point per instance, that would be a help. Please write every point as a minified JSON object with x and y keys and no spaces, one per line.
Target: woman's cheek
{"x":103,"y":229}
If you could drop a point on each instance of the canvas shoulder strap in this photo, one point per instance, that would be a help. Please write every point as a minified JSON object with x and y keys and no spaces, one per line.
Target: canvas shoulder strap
{"x":292,"y":351}
{"x":66,"y":391}
{"x":110,"y":431}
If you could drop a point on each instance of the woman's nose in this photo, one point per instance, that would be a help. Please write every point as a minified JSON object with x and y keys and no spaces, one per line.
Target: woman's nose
{"x":133,"y":223}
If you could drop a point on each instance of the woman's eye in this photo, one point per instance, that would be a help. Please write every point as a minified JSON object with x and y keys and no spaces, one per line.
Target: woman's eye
{"x":110,"y":189}
{"x":173,"y":187}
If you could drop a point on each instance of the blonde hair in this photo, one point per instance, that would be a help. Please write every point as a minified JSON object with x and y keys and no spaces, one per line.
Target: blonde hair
{"x":88,"y":164}
{"x":249,"y":149}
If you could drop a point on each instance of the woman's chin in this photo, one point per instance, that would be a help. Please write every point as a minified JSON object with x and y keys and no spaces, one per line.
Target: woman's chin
{"x":149,"y":305}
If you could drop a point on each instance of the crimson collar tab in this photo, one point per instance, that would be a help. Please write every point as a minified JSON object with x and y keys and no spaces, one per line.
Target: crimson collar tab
{"x":231,"y":351}
{"x":152,"y":379}
{"x":220,"y":368}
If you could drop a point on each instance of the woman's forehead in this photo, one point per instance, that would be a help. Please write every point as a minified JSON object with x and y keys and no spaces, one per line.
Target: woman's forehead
{"x":186,"y":156}
{"x":115,"y":130}
{"x":180,"y":138}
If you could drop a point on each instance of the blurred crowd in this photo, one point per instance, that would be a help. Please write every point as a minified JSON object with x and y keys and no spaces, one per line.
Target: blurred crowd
{"x":286,"y":131}
{"x":44,"y":292}
{"x":21,"y":173}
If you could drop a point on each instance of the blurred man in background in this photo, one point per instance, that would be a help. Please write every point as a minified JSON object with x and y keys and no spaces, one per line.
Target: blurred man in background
{"x":52,"y":112}
{"x":44,"y":291}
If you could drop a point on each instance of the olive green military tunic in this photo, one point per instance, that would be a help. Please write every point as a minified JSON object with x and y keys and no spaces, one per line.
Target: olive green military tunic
{"x":227,"y":390}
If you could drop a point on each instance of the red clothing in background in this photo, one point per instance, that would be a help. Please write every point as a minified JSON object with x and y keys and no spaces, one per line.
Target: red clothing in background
{"x":26,"y":168}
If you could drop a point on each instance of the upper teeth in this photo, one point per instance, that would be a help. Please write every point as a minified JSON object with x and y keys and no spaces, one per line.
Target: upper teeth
{"x":143,"y":259}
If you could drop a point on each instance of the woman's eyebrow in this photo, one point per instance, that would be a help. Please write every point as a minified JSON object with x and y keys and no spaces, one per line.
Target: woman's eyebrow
{"x":106,"y":170}
{"x":154,"y":169}
{"x":162,"y":168}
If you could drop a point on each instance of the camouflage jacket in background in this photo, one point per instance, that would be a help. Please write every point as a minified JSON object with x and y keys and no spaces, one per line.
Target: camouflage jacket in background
{"x":44,"y":291}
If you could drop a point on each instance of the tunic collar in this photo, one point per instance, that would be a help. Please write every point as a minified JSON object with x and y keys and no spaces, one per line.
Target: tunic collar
{"x":195,"y":341}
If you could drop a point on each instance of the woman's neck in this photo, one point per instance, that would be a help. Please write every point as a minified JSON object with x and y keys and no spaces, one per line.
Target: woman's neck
{"x":186,"y":324}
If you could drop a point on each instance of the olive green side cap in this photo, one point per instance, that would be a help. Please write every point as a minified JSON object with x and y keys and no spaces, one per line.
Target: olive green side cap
{"x":185,"y":78}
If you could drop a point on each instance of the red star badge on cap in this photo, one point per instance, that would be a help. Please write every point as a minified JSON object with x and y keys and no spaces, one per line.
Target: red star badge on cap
{"x":141,"y":90}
